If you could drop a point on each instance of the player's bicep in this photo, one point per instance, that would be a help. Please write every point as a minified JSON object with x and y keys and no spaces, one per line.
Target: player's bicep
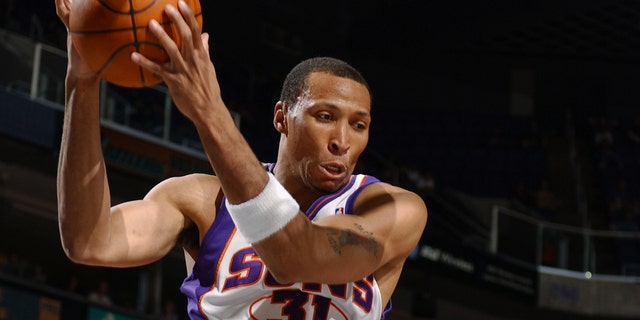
{"x":143,"y":231}
{"x":384,"y":228}
{"x":407,"y":226}
{"x":396,"y":219}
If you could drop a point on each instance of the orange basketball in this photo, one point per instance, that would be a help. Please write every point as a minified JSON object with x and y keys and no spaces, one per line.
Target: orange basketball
{"x":106,"y":32}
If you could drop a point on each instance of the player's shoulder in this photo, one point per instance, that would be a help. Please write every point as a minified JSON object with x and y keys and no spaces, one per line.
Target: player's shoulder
{"x":190,"y":194}
{"x":197,"y":177}
{"x":385,"y":199}
{"x":192,"y":180}
{"x":384,"y":193}
{"x":186,"y":186}
{"x":380,"y":187}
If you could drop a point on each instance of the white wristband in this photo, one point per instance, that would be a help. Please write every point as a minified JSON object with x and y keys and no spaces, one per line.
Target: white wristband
{"x":265,"y":214}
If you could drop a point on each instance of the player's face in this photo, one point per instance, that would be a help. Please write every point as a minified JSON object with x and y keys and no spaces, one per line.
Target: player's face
{"x":328,"y":129}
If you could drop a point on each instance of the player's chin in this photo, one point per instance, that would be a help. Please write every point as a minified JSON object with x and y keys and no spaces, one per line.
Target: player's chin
{"x":327,"y":181}
{"x":327,"y":185}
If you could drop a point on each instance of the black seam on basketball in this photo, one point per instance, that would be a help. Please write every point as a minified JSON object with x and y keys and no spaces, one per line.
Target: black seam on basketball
{"x":100,"y":31}
{"x":119,"y":29}
{"x":104,"y":4}
{"x":116,"y":30}
{"x":111,"y":57}
{"x":150,"y":44}
{"x":134,"y":29}
{"x":147,"y":7}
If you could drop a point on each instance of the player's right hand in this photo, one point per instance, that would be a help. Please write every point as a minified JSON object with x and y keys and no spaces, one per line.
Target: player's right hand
{"x":77,"y":67}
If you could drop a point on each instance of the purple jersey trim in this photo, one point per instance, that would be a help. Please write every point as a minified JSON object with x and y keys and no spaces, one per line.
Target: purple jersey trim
{"x":204,"y":270}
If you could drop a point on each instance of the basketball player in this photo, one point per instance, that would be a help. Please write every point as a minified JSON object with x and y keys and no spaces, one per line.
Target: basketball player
{"x":301,"y":238}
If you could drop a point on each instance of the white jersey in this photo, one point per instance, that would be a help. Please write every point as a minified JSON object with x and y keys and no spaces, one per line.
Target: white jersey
{"x":230,"y":281}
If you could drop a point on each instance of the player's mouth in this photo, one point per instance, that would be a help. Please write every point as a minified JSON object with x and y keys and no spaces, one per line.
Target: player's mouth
{"x":334,"y":170}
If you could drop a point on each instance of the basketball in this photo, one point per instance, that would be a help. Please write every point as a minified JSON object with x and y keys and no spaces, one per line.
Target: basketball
{"x":106,"y":32}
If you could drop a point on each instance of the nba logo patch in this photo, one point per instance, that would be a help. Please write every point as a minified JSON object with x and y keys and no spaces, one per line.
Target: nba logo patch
{"x":339,"y":210}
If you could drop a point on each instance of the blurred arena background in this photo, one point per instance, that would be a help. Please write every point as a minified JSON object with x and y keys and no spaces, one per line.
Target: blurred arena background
{"x":518,"y":122}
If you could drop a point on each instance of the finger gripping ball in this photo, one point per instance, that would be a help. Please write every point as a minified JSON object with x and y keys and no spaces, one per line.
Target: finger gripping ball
{"x":106,"y":32}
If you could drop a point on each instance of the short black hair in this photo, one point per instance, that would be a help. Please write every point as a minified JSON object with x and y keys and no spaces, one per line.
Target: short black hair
{"x":296,"y":81}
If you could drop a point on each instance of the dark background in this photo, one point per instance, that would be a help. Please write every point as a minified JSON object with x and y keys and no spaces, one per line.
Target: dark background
{"x":432,"y":65}
{"x":453,"y":55}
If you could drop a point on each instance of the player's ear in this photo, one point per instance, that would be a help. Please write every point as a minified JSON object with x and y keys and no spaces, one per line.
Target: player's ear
{"x":280,"y":117}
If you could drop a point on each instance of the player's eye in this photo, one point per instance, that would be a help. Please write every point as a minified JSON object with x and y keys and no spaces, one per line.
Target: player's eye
{"x":360,"y":125}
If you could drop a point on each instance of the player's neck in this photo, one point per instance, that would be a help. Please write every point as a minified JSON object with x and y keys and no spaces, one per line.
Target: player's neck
{"x":304,"y":194}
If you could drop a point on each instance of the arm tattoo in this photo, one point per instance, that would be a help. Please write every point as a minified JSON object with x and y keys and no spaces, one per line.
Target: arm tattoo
{"x":339,"y":239}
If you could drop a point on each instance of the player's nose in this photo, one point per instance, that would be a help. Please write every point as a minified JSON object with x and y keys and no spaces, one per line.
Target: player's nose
{"x":339,"y":142}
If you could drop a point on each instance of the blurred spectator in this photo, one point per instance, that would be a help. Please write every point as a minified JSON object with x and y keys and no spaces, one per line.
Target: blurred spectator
{"x":629,"y":219}
{"x":522,"y":199}
{"x":522,"y":195}
{"x":3,"y":178}
{"x":419,"y":181}
{"x":39,"y":276}
{"x":73,"y":285}
{"x":628,"y":248}
{"x":546,"y":201}
{"x":36,"y":30}
{"x":615,"y":210}
{"x":603,"y":135}
{"x":8,"y":15}
{"x":532,"y":138}
{"x":101,"y":294}
{"x":633,"y":132}
{"x":15,"y":266}
{"x":3,"y":307}
{"x":4,"y":260}
{"x":549,"y":251}
{"x":619,"y":191}
{"x":608,"y":158}
{"x":5,"y":204}
{"x":603,"y":140}
{"x":497,"y":138}
{"x":427,"y":184}
{"x":169,"y":311}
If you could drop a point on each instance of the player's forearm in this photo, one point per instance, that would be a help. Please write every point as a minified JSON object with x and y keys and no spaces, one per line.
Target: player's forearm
{"x":305,"y":252}
{"x":240,"y":172}
{"x":83,"y":195}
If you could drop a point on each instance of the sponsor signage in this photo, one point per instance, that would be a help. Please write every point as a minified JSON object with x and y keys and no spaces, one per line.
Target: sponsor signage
{"x":20,"y":304}
{"x":95,"y":313}
{"x":581,"y":292}
{"x":482,"y":269}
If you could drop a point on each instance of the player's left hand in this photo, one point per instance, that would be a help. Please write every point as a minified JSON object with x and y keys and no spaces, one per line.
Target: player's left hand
{"x":189,"y":74}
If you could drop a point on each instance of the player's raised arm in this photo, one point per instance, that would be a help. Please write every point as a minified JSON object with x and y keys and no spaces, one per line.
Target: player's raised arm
{"x":80,"y":166}
{"x":91,"y":231}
